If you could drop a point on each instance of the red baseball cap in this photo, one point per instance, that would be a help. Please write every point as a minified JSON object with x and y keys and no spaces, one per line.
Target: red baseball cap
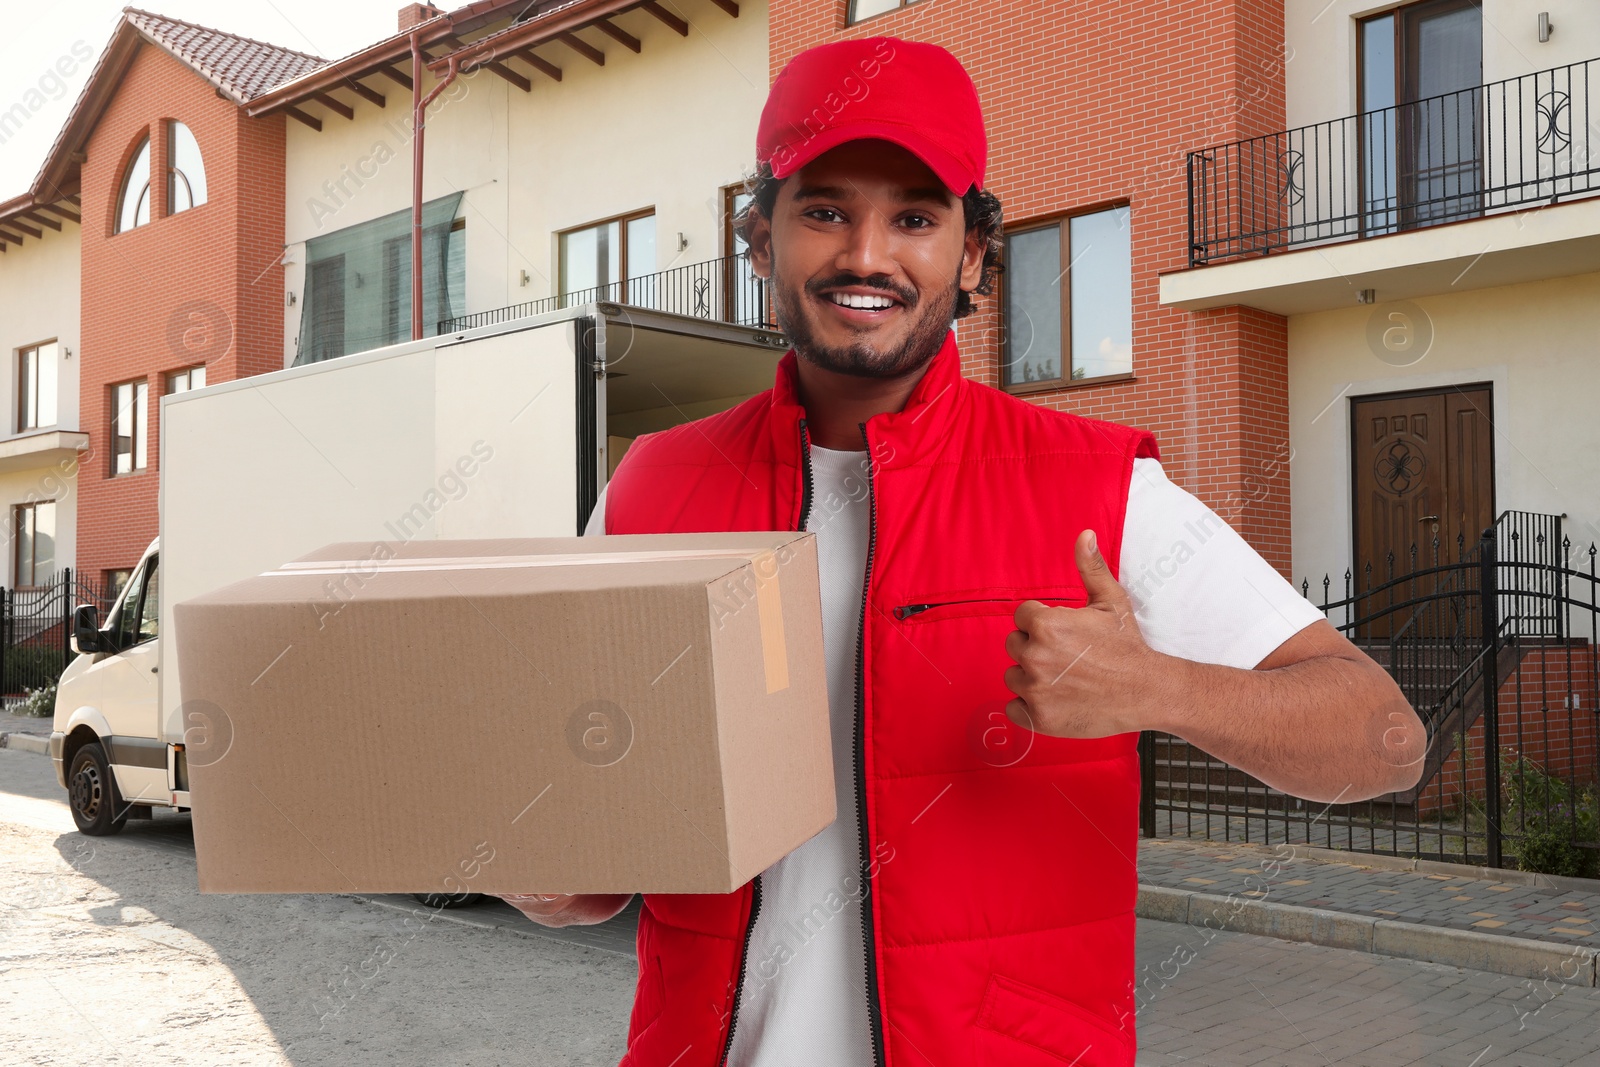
{"x":916,"y":95}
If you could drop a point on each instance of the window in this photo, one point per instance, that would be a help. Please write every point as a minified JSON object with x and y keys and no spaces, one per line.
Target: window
{"x":33,"y":529}
{"x":133,"y":202}
{"x":115,"y":581}
{"x":744,"y":296}
{"x":437,"y":273}
{"x":125,"y":622}
{"x":150,"y":603}
{"x":735,"y":199}
{"x":137,"y":617}
{"x":1068,"y":292}
{"x":358,"y":281}
{"x":130,"y":420}
{"x":1420,"y":71}
{"x":610,"y":260}
{"x":36,"y":386}
{"x":323,"y":318}
{"x":181,"y":381}
{"x":186,"y":174}
{"x":865,"y":9}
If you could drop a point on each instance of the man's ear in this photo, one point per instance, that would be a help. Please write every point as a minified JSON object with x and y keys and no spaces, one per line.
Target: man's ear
{"x":759,"y":238}
{"x":972,"y":260}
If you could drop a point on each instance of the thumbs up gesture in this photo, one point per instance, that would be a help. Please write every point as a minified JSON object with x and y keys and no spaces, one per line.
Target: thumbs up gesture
{"x":1083,"y":672}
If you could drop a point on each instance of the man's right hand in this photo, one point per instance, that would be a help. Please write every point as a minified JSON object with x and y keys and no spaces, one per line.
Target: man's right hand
{"x":562,"y":909}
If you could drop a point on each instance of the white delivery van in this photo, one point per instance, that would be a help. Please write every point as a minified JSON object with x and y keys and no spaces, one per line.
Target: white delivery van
{"x":507,"y":430}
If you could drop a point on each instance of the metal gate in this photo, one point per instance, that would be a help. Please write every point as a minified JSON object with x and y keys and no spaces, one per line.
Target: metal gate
{"x":36,"y":630}
{"x":1511,"y":780}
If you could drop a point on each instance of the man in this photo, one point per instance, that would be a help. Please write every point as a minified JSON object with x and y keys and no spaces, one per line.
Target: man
{"x":988,"y":673}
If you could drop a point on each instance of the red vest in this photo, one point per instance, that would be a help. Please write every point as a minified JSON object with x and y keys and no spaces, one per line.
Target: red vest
{"x":1000,"y":864}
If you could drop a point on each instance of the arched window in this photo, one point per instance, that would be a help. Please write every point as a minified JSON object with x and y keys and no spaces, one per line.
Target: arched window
{"x":133,"y":203}
{"x":186,"y":177}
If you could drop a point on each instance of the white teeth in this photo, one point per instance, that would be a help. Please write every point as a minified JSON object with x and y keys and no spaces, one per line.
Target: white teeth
{"x":864,"y":303}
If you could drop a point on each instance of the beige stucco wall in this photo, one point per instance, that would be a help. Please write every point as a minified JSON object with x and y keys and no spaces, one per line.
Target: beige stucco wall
{"x":39,"y":301}
{"x":665,"y":128}
{"x":1320,"y":71}
{"x":54,"y":481}
{"x":1535,"y":343}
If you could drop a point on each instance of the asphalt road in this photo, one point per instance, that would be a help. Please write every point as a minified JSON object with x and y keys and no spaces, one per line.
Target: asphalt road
{"x":109,"y":955}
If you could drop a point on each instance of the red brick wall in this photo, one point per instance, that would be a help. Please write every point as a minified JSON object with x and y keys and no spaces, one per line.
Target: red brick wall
{"x":1091,"y":102}
{"x":202,"y":286}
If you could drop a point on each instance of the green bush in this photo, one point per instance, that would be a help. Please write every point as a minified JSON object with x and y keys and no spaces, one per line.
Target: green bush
{"x":1548,"y":848}
{"x":30,"y":666}
{"x":1555,"y":819}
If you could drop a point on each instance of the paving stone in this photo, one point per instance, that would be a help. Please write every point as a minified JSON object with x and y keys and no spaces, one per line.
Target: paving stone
{"x":1248,"y":1000}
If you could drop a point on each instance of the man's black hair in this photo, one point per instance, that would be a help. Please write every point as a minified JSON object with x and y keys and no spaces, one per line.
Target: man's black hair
{"x":980,"y":208}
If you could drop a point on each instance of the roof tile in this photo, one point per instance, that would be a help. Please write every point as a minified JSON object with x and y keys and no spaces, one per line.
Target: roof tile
{"x":240,"y":66}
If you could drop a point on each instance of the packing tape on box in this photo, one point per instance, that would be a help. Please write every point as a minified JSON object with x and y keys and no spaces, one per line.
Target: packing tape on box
{"x":774,"y":656}
{"x":764,"y":564}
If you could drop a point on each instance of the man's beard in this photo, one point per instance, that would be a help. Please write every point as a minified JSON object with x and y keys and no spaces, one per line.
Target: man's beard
{"x":929,"y":327}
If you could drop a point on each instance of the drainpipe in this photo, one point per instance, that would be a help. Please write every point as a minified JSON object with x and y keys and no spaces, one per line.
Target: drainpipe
{"x":419,"y":108}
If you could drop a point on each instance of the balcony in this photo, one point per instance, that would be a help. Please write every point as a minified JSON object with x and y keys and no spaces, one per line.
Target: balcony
{"x":35,"y":449}
{"x":1409,"y":200}
{"x":720,"y":290}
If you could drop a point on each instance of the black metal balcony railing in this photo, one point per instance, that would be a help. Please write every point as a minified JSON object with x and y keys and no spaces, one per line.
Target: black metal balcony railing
{"x":1496,"y":147}
{"x":724,"y":290}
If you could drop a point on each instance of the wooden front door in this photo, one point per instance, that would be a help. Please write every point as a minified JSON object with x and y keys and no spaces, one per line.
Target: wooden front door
{"x":1423,"y":467}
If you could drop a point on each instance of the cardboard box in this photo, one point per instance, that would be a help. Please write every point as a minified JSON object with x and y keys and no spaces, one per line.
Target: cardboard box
{"x":575,"y":715}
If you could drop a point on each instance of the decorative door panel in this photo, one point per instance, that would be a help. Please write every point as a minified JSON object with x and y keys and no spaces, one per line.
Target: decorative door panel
{"x":1422,"y":468}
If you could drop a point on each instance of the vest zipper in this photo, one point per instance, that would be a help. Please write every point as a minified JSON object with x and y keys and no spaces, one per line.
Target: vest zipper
{"x":805,"y":487}
{"x":755,"y":883}
{"x":874,"y":1010}
{"x":744,"y":955}
{"x":905,"y":611}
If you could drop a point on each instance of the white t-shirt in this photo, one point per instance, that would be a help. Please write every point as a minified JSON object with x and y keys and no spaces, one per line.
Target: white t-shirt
{"x":804,"y":994}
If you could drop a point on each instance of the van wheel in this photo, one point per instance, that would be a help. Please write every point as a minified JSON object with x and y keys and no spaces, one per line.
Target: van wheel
{"x":92,"y":793}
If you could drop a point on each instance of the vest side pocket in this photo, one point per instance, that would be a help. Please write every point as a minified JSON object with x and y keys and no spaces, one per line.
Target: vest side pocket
{"x":1043,"y":1029}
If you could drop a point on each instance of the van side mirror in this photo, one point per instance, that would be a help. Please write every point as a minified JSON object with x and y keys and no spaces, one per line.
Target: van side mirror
{"x":86,"y":629}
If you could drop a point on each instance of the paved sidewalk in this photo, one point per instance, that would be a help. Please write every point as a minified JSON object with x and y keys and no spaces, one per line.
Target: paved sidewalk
{"x":1559,"y":912}
{"x":25,"y":724}
{"x":1245,"y":1001}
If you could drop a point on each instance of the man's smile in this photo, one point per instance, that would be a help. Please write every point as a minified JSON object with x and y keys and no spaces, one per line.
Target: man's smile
{"x":861,"y":304}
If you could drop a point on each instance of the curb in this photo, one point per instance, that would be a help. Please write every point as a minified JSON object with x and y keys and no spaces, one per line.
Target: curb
{"x":26,"y":743}
{"x":1471,"y":949}
{"x":1381,"y":862}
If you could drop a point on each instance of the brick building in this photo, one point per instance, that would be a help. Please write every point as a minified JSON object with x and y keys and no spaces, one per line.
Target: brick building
{"x":177,"y":198}
{"x":187,"y":289}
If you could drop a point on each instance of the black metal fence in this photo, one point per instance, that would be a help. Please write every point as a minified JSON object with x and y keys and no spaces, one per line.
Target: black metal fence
{"x":725,"y":290}
{"x":1512,"y":779}
{"x":36,"y":631}
{"x":1501,"y":146}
